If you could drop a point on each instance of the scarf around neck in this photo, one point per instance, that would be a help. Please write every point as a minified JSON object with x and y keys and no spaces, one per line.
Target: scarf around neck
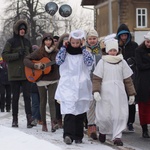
{"x":49,"y":50}
{"x":113,"y":59}
{"x":73,"y":51}
{"x":95,"y":49}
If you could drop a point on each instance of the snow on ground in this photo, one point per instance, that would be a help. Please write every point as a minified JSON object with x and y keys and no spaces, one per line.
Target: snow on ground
{"x":12,"y":139}
{"x":22,"y":138}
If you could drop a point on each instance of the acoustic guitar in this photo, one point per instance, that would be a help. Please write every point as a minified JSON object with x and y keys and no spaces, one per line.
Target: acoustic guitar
{"x":34,"y":75}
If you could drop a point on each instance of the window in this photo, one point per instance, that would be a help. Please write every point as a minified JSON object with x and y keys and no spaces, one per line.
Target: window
{"x":141,"y":17}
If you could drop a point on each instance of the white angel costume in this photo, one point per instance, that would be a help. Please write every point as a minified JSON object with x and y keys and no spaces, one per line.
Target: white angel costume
{"x":74,"y":89}
{"x":112,"y":110}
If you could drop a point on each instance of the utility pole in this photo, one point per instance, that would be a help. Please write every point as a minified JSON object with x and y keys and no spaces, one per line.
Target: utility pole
{"x":110,"y":16}
{"x":18,"y":16}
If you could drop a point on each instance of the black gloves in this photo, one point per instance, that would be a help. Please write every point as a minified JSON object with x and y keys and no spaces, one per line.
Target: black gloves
{"x":131,"y":62}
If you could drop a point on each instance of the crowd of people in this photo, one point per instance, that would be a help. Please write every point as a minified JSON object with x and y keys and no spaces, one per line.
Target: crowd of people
{"x":85,"y":85}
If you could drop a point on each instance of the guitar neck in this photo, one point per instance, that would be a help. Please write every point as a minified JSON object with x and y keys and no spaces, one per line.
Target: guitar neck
{"x":50,"y":63}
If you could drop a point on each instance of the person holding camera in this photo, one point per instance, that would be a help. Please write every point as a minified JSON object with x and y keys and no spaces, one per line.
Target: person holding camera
{"x":15,"y":49}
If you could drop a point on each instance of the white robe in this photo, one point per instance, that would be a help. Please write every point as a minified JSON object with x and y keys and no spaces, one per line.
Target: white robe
{"x":74,"y":89}
{"x":112,"y":110}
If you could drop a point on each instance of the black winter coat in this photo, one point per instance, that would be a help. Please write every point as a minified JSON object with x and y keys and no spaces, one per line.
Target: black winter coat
{"x":142,"y":57}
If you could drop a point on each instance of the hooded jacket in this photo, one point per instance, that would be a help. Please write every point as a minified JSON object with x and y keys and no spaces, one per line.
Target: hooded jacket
{"x":11,"y":52}
{"x":128,"y":48}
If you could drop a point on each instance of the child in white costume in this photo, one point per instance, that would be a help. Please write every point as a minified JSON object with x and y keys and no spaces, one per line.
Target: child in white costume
{"x":74,"y":91}
{"x":111,"y":80}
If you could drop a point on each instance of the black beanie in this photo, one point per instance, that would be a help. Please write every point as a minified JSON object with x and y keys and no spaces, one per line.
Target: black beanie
{"x":22,"y":26}
{"x":56,"y":37}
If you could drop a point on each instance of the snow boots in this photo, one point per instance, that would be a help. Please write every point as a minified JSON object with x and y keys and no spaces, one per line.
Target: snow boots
{"x":15,"y":121}
{"x":29,"y":120}
{"x":44,"y":126}
{"x":92,"y":132}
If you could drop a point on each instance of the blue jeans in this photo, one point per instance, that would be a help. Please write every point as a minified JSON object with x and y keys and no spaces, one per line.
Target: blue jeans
{"x":35,"y":99}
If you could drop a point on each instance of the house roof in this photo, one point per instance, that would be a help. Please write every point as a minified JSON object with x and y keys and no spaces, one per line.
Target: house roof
{"x":92,"y":2}
{"x":88,"y":2}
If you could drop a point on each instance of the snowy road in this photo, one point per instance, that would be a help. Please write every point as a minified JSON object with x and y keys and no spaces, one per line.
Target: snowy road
{"x":49,"y":137}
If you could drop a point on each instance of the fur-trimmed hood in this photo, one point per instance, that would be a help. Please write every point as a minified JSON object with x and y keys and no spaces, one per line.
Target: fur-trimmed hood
{"x":18,"y":23}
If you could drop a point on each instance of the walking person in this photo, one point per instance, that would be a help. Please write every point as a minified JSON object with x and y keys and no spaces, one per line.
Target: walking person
{"x":6,"y":88}
{"x":110,"y":78}
{"x":35,"y":105}
{"x":74,"y":91}
{"x":92,"y":44}
{"x":142,"y":57}
{"x":47,"y":83}
{"x":128,"y":47}
{"x":15,"y":49}
{"x":35,"y":100}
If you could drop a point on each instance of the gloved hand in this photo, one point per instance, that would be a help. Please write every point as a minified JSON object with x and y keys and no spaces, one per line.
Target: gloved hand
{"x":21,"y":52}
{"x":131,"y":100}
{"x":97,"y":96}
{"x":38,"y":65}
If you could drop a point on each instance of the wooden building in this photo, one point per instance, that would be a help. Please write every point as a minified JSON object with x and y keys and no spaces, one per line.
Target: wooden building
{"x":109,"y":14}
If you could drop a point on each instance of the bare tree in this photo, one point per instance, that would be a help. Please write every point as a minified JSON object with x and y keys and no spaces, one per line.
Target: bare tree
{"x":28,"y":10}
{"x":33,"y":11}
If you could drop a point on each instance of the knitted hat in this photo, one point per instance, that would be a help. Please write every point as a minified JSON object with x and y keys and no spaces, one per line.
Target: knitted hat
{"x":22,"y":26}
{"x":56,"y":37}
{"x":111,"y":44}
{"x":147,"y":36}
{"x":92,"y":32}
{"x":108,"y":37}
